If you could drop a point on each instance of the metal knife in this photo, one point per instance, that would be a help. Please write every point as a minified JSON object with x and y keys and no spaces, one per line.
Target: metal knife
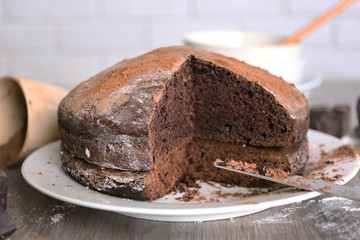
{"x":300,"y":182}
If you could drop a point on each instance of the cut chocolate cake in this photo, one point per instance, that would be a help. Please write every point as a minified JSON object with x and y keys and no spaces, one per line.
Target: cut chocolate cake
{"x":140,"y":127}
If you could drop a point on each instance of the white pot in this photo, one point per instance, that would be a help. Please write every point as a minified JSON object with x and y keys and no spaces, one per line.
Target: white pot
{"x":259,"y":49}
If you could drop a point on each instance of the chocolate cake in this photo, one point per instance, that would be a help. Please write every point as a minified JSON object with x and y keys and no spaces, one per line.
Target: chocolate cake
{"x":140,"y":127}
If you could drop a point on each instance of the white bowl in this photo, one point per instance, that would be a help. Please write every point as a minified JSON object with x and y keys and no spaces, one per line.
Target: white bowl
{"x":259,"y":49}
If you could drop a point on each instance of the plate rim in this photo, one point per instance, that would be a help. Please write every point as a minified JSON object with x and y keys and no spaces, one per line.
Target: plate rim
{"x":171,"y":209}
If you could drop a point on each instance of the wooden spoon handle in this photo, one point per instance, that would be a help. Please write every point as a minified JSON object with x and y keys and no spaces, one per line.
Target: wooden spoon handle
{"x":332,"y":12}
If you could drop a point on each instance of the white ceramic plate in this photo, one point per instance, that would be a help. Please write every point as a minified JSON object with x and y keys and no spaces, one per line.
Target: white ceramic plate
{"x":43,"y":171}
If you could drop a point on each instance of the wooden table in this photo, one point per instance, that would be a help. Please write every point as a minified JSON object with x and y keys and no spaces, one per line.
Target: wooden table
{"x":42,"y":217}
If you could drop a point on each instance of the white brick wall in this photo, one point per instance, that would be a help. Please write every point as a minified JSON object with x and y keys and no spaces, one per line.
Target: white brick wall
{"x":53,"y":8}
{"x":333,"y":64}
{"x":215,"y":7}
{"x":170,"y":31}
{"x":349,"y":33}
{"x":311,"y":5}
{"x":66,"y":41}
{"x":144,"y":7}
{"x":3,"y":65}
{"x":100,"y":36}
{"x":56,"y":68}
{"x":14,"y":36}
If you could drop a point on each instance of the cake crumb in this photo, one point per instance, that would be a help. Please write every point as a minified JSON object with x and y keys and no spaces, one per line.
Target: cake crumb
{"x":253,"y":168}
{"x":251,"y":203}
{"x":291,"y":182}
{"x":189,"y":194}
{"x":322,"y":190}
{"x":340,"y":154}
{"x":306,"y":185}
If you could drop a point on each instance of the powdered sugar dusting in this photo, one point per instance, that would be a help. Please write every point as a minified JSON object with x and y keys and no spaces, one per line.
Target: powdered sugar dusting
{"x":351,"y":209}
{"x":285,"y":213}
{"x":324,"y":210}
{"x":57,"y":218}
{"x":87,"y":152}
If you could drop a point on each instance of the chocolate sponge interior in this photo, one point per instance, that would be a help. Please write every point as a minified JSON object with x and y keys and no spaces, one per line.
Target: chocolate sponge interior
{"x":229,"y":108}
{"x":208,"y":102}
{"x":207,"y":112}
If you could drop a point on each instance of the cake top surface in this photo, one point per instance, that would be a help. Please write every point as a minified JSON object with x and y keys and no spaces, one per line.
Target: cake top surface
{"x":118,"y":85}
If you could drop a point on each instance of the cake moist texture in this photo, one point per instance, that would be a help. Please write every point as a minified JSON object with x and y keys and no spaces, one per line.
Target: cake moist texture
{"x":142,"y":126}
